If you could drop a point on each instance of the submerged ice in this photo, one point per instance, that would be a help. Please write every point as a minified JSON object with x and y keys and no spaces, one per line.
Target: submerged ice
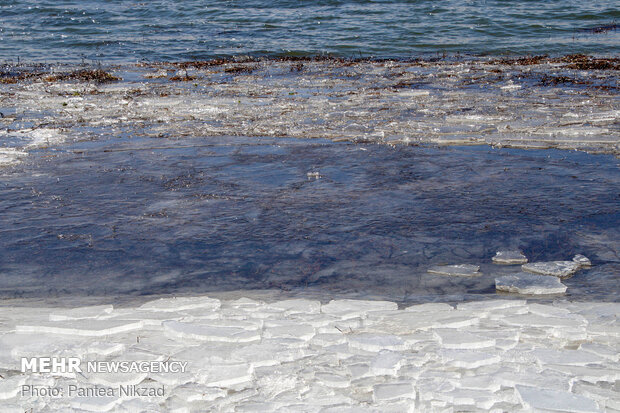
{"x":547,"y":104}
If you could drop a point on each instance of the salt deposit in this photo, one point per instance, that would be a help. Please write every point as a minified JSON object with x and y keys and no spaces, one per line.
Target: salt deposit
{"x":249,"y":355}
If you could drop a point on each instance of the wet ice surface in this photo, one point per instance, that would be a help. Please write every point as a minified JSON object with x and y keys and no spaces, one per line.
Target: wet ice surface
{"x":550,"y":104}
{"x":131,"y":215}
{"x":301,"y":355}
{"x":509,"y":257}
{"x":529,"y":284}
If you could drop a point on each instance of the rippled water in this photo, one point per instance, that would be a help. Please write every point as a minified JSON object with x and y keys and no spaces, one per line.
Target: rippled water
{"x":121,"y":31}
{"x":131,"y":215}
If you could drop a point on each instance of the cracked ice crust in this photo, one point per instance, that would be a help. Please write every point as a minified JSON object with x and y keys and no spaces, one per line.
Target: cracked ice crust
{"x":249,"y":355}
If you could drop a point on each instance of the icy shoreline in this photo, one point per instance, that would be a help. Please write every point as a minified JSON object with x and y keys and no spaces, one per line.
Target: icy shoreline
{"x":567,"y":103}
{"x":301,"y":355}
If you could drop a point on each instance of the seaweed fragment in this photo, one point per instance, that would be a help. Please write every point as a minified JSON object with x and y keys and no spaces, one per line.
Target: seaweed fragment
{"x":522,"y":61}
{"x":97,"y":75}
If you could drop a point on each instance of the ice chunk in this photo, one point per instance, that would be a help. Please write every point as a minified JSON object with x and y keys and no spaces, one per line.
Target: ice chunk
{"x":538,"y":321}
{"x":225,"y":375}
{"x":10,"y":386}
{"x":469,"y":359}
{"x":462,"y":340}
{"x":333,"y":380}
{"x":355,"y":308}
{"x":376,"y":342}
{"x":289,"y":329}
{"x":80,"y":313}
{"x":328,"y":339}
{"x":566,"y":357}
{"x":97,"y":403}
{"x":182,"y":303}
{"x":387,"y":363}
{"x":86,"y":327}
{"x":601,"y":350}
{"x":524,"y":283}
{"x":582,"y":260}
{"x":192,"y":392}
{"x":544,"y":399}
{"x":393,"y":391}
{"x":560,"y":269}
{"x":298,"y":306}
{"x":588,"y":374}
{"x":509,"y":257}
{"x":181,"y":330}
{"x":490,"y":305}
{"x":458,"y":270}
{"x":429,"y":307}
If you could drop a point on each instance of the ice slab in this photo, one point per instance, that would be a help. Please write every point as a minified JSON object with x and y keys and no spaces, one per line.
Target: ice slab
{"x":529,"y":284}
{"x":560,"y":269}
{"x":566,"y":357}
{"x":387,"y":363}
{"x":469,"y":359}
{"x":181,"y":330}
{"x":457,"y":270}
{"x":298,"y":306}
{"x":80,"y":313}
{"x":182,"y":303}
{"x":356,"y":308}
{"x":85,"y":327}
{"x":96,"y":403}
{"x":462,"y":340}
{"x":509,"y":257}
{"x":553,"y":400}
{"x":11,"y":386}
{"x":376,"y":342}
{"x":226,"y":375}
{"x":393,"y":391}
{"x":582,"y":260}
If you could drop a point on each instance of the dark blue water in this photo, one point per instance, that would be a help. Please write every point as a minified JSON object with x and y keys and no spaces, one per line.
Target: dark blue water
{"x":124,"y":31}
{"x":133,"y":216}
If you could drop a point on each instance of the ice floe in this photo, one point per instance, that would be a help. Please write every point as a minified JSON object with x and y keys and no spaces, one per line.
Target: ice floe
{"x":560,"y":269}
{"x":509,"y":257}
{"x":526,"y":283}
{"x":582,"y":260}
{"x":457,"y":270}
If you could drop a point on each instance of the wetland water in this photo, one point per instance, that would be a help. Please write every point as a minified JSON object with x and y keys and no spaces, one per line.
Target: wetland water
{"x":132,"y":216}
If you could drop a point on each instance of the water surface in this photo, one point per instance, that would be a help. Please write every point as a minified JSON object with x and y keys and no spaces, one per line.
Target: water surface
{"x":134,"y":216}
{"x":121,"y":31}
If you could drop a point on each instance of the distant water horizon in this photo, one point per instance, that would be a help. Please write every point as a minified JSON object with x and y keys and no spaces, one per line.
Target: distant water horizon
{"x":163,"y":30}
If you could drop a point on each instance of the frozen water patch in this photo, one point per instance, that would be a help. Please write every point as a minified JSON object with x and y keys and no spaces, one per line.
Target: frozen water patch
{"x":509,"y":257}
{"x":582,"y":260}
{"x":560,"y":269}
{"x":530,"y":284}
{"x":457,"y":270}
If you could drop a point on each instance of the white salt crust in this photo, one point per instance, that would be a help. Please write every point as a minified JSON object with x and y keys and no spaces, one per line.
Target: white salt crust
{"x":344,"y":356}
